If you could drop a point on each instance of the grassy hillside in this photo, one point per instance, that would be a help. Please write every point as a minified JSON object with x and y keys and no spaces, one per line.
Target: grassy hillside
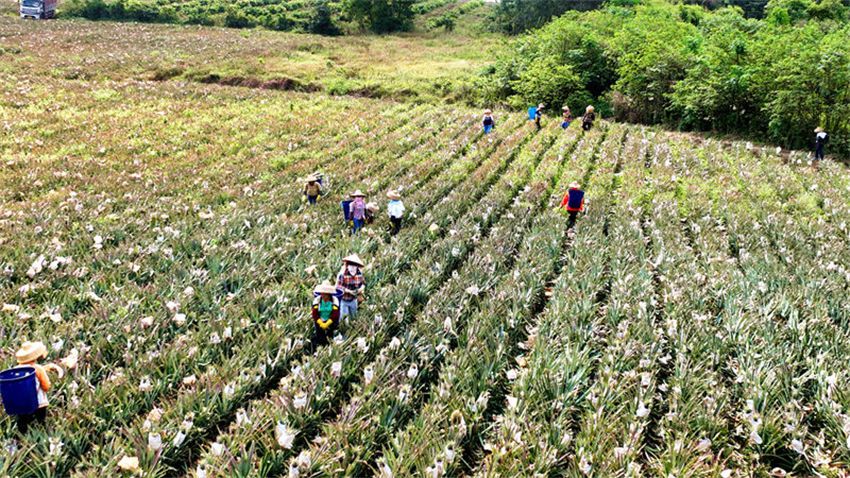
{"x":429,"y":67}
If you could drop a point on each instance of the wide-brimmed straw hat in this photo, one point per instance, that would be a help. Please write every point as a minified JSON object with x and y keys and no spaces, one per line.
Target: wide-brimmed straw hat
{"x":358,"y":193}
{"x":312,"y":178}
{"x":325,"y":288}
{"x":590,"y":108}
{"x":541,"y":106}
{"x":818,"y":130}
{"x":574,"y":185}
{"x":565,"y":108}
{"x":488,"y":111}
{"x":354,"y":259}
{"x":31,"y":351}
{"x":393,"y":195}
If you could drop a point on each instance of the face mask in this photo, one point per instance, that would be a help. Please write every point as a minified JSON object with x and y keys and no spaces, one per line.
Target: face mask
{"x":352,"y":270}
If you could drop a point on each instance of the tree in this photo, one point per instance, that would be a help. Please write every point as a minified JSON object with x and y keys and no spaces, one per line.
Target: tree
{"x":517,"y":16}
{"x":321,"y":20}
{"x":381,"y":16}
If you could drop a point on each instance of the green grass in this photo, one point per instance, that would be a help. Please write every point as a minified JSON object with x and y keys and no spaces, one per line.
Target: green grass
{"x":420,"y":67}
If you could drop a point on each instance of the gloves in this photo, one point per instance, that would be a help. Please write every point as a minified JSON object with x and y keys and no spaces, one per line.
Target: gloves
{"x":324,"y":324}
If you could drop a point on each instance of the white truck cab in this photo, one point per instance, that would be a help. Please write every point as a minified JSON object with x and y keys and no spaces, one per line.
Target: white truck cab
{"x":38,"y":9}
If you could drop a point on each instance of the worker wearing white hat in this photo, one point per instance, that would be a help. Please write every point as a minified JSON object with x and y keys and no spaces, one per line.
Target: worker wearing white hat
{"x":312,"y":188}
{"x":821,"y":138}
{"x":358,"y":210}
{"x":395,"y":208}
{"x":325,"y":312}
{"x":352,"y":284}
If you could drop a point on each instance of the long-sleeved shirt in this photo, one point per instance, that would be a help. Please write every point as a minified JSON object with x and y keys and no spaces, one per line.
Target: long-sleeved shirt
{"x":358,"y":209}
{"x":313,"y":189}
{"x":42,"y":383}
{"x":588,"y":118}
{"x":395,"y":208}
{"x":324,"y":315}
{"x":574,"y":200}
{"x":821,"y":139}
{"x":346,"y":281}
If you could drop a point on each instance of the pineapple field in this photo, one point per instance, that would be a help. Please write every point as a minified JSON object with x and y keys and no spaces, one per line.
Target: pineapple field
{"x":153,"y":234}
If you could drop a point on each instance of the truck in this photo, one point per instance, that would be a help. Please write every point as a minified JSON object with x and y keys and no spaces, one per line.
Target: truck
{"x":38,"y":8}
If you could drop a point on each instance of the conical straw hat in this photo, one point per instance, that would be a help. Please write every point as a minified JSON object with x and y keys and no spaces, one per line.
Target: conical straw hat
{"x":354,"y":259}
{"x":325,"y":288}
{"x":31,"y":351}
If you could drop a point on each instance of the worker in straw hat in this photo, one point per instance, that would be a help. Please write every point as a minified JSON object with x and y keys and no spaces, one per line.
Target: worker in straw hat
{"x":588,"y":118}
{"x":325,"y":313}
{"x":371,"y":211}
{"x":395,"y":208}
{"x":488,"y":121}
{"x":573,"y":203}
{"x":821,"y":138}
{"x":28,"y":355}
{"x":352,"y":284}
{"x":566,"y":117}
{"x":358,"y":210}
{"x":312,"y":188}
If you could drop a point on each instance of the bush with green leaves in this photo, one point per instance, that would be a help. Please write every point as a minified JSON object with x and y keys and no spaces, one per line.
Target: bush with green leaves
{"x":774,"y":79}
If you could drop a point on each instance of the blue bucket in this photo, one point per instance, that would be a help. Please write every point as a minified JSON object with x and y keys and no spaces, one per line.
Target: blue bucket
{"x":346,"y":209}
{"x":17,"y":388}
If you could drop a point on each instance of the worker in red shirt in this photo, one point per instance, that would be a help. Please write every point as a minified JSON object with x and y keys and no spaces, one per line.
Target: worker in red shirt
{"x":573,"y":202}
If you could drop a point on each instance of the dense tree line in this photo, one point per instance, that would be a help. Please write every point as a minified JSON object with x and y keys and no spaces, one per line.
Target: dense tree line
{"x":689,"y":68}
{"x":326,"y":17}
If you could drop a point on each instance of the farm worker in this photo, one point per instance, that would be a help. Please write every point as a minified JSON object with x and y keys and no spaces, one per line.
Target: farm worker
{"x":588,"y":118}
{"x":567,"y":117}
{"x":29,"y":354}
{"x":325,"y":313}
{"x":358,"y":210}
{"x":573,"y":202}
{"x":352,"y":284}
{"x":312,"y":189}
{"x":488,"y":121}
{"x":371,"y":210}
{"x":538,"y":115}
{"x":821,"y":138}
{"x":395,"y":208}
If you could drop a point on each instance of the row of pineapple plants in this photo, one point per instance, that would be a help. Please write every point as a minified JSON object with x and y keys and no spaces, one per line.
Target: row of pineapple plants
{"x":536,"y":432}
{"x":694,"y":431}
